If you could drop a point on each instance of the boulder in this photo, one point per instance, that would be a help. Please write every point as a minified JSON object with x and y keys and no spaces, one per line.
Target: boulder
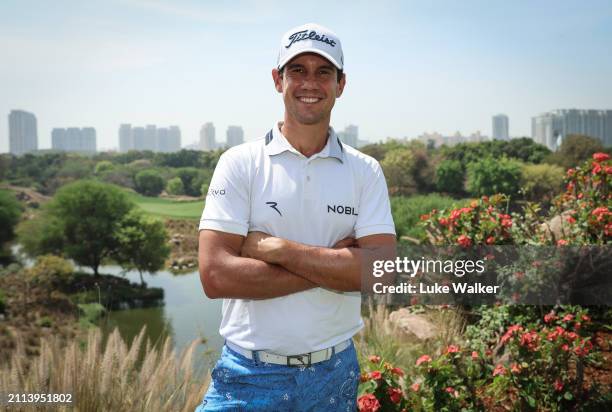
{"x":413,"y":325}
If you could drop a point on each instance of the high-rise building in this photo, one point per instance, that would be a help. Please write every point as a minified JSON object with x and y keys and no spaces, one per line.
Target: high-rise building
{"x":139,"y":136}
{"x":235,"y":136}
{"x":164,"y":139}
{"x":126,"y":139}
{"x":207,"y":137}
{"x":349,"y":135}
{"x":174,"y":139}
{"x":500,"y":127}
{"x":551,"y":128}
{"x":74,"y":139}
{"x":23,"y":134}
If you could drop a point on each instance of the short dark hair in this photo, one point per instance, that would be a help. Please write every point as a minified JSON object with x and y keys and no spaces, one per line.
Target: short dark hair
{"x":339,"y":73}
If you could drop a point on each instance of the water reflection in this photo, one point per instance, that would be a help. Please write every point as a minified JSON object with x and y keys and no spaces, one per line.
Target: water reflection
{"x":186,"y":315}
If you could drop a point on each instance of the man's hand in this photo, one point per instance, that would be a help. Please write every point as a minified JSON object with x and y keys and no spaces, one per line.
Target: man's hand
{"x":261,"y":246}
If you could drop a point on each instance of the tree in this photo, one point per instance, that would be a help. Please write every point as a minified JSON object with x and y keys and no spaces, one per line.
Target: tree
{"x":149,"y":182}
{"x":10,"y":211}
{"x":143,"y":243}
{"x":103,"y":166}
{"x":541,"y":182}
{"x":189,"y":176}
{"x":175,"y":187}
{"x":450,"y":176}
{"x":82,"y":218}
{"x":397,"y":166}
{"x":575,"y":149}
{"x":490,"y":176}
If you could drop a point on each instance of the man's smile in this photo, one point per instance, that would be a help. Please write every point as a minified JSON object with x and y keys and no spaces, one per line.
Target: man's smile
{"x":309,"y":100}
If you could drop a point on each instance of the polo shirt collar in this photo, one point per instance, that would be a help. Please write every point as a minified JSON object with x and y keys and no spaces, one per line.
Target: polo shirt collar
{"x":276,"y":143}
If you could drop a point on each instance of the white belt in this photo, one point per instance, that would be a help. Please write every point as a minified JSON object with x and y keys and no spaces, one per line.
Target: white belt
{"x":305,"y":359}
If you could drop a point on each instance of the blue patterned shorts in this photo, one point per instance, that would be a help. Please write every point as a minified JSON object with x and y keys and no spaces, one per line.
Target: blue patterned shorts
{"x":242,"y":384}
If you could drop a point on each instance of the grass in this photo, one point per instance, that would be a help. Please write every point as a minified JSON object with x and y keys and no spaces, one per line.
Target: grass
{"x":167,"y":208}
{"x":118,"y":377}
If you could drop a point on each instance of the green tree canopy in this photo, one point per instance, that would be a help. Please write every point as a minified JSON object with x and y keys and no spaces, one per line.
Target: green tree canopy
{"x":149,"y":182}
{"x":175,"y":186}
{"x":490,"y":176}
{"x":541,"y":182}
{"x":450,"y":176}
{"x":143,"y":243}
{"x":397,"y":166}
{"x":82,"y":219}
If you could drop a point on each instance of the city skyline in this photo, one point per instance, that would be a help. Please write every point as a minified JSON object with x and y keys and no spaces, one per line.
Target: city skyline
{"x":423,"y":67}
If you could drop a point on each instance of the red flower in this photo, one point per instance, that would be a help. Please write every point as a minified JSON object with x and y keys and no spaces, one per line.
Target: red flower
{"x":490,"y":240}
{"x":596,"y":168}
{"x":510,"y":332}
{"x":452,"y":349}
{"x":571,"y":220}
{"x":562,"y":242}
{"x":565,"y":347}
{"x":375,"y":375}
{"x":549,"y":317}
{"x":415,"y":387}
{"x":499,"y":370}
{"x":609,"y":170}
{"x":584,"y":348}
{"x":464,"y":241}
{"x":577,"y":326}
{"x":423,"y":359}
{"x":515,"y":368}
{"x":602,"y":210}
{"x":397,"y":371}
{"x":558,"y":385}
{"x":424,"y":217}
{"x":519,"y":275}
{"x":395,"y":394}
{"x":506,"y":223}
{"x":570,"y":172}
{"x":586,"y":318}
{"x":474,"y":355}
{"x":443,"y":221}
{"x":374,"y":358}
{"x":568,"y":318}
{"x":530,"y":340}
{"x":571,"y":336}
{"x":368,"y":403}
{"x":600,"y":157}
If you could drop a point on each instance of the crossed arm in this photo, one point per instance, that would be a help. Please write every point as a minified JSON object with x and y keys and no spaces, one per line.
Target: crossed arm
{"x":262,"y":266}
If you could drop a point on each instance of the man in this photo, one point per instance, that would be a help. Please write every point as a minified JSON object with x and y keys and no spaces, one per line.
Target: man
{"x":290,"y":223}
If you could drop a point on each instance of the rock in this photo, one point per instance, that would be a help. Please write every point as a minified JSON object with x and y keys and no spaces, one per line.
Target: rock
{"x":413,"y":325}
{"x":557,"y":227}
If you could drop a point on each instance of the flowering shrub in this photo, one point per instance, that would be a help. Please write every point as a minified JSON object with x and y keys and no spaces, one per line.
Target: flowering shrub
{"x":585,"y":205}
{"x":483,"y":222}
{"x":380,"y":388}
{"x":534,"y":366}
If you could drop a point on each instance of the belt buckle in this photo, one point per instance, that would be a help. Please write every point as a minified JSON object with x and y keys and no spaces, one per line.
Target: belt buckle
{"x":300,"y":359}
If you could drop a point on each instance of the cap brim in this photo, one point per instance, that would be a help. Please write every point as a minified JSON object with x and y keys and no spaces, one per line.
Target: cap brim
{"x":287,"y":58}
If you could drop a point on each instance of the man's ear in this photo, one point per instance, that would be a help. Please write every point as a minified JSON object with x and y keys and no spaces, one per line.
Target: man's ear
{"x":341,"y":84}
{"x":278,"y":80}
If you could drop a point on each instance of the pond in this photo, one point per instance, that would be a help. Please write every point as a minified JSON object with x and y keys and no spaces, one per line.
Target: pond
{"x":187,"y":314}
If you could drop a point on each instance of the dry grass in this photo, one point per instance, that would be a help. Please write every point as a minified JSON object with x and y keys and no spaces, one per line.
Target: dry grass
{"x":116,"y":378}
{"x":381,"y":337}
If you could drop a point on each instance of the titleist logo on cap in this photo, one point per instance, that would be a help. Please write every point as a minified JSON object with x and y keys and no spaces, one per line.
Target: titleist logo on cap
{"x":312,"y":35}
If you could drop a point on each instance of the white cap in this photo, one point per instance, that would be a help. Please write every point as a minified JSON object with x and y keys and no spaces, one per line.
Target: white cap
{"x":311,"y":38}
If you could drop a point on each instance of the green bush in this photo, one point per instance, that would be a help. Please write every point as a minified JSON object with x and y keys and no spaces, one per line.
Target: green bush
{"x":175,"y":187}
{"x":490,"y":176}
{"x":189,"y":176}
{"x":149,"y":182}
{"x":541,"y":182}
{"x":51,"y":270}
{"x":408,"y":210}
{"x":397,"y":166}
{"x":450,"y":176}
{"x":103,"y":166}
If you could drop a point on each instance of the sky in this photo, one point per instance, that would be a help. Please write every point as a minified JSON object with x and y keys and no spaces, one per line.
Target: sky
{"x":411,"y":66}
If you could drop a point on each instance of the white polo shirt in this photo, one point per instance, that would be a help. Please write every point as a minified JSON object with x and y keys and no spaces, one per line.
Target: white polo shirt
{"x":269,"y":186}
